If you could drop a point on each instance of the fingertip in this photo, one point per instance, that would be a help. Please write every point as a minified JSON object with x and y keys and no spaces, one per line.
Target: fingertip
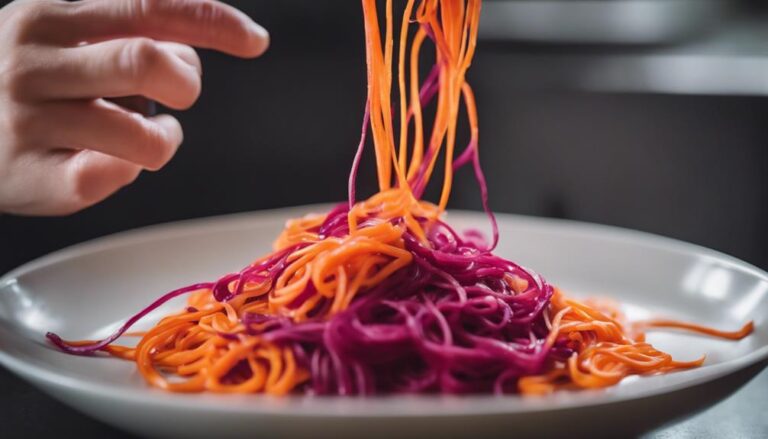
{"x":258,"y":30}
{"x":188,"y":87}
{"x":131,"y":174}
{"x":174,"y":136}
{"x":261,"y":39}
{"x":257,"y":41}
{"x":171,"y":126}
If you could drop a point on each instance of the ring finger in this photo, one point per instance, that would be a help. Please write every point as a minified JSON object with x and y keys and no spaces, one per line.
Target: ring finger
{"x":108,"y":128}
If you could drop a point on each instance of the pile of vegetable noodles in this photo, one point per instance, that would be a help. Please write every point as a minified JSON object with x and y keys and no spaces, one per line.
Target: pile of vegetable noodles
{"x":381,"y":296}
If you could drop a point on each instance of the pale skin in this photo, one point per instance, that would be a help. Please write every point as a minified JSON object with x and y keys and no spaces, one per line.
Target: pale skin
{"x":66,"y":141}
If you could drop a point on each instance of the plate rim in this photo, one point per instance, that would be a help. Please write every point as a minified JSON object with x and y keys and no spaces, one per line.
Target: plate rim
{"x":351,"y":407}
{"x":186,"y":226}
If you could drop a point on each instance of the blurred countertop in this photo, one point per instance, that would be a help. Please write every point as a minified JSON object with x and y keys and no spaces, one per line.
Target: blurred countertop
{"x":740,"y":416}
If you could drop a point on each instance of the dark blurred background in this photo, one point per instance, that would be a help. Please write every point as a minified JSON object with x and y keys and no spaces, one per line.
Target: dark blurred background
{"x":647,"y":114}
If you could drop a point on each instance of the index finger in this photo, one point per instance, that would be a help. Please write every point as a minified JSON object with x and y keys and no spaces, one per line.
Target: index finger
{"x":206,"y":24}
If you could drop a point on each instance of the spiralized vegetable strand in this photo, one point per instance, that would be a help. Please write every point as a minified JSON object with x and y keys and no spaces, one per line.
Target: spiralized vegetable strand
{"x":380,"y":295}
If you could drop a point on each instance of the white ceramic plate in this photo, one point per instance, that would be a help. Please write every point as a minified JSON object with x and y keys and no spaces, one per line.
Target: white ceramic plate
{"x":85,"y":291}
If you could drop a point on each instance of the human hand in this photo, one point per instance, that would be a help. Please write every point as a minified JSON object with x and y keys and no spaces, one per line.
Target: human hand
{"x":64,"y":143}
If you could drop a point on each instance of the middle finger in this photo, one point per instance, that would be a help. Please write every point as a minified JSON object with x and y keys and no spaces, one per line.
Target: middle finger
{"x":116,"y":68}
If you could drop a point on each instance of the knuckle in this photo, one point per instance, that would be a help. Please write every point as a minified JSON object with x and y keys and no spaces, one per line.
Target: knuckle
{"x":206,"y":12}
{"x":189,"y":56}
{"x":20,"y":124}
{"x":190,"y":52}
{"x":31,"y":18}
{"x":142,"y":8}
{"x":24,"y":17}
{"x":20,"y":69}
{"x":15,"y":76}
{"x":207,"y":15}
{"x":138,"y":58}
